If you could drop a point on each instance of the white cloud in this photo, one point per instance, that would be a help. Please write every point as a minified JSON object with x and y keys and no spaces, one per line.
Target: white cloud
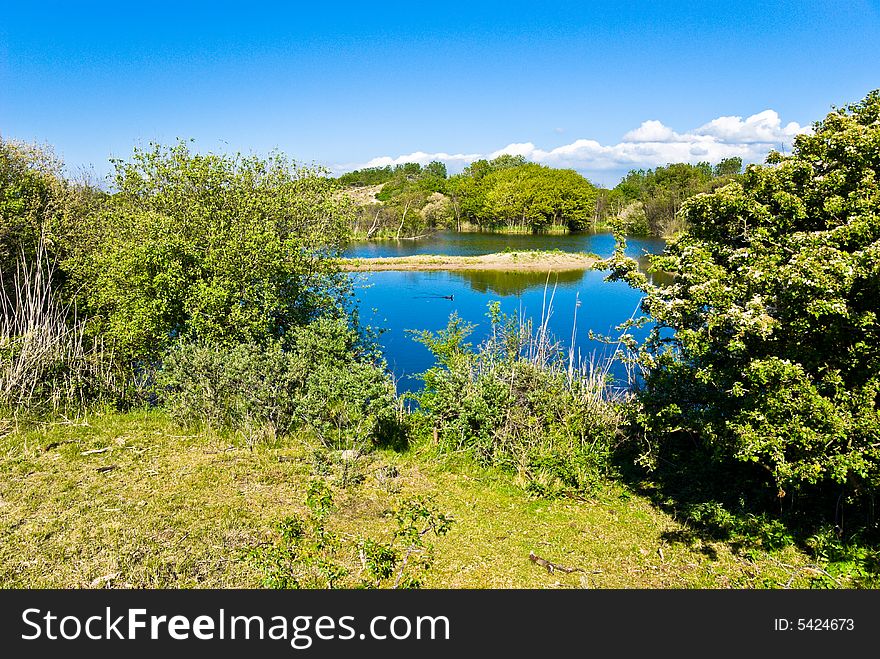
{"x":420,"y":157}
{"x":525,"y":149}
{"x":763,"y":128}
{"x":650,"y":145}
{"x":651,"y":131}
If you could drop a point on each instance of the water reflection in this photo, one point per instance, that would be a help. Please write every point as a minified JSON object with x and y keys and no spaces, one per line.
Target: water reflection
{"x":516,"y":283}
{"x":398,"y":302}
{"x":582,"y":301}
{"x":656,"y":277}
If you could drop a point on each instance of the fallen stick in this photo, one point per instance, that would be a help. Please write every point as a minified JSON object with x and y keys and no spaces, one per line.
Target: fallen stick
{"x":553,"y":567}
{"x":103,"y":581}
{"x":96,"y":450}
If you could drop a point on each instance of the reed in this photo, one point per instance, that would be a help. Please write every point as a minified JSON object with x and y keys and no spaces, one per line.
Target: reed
{"x":523,"y":401}
{"x":46,"y":363}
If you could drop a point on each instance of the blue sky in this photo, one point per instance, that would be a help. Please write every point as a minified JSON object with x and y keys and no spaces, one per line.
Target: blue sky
{"x":569,"y":84}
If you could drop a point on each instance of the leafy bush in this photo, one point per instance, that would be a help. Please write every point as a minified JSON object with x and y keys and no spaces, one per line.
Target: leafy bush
{"x":213,"y":248}
{"x":307,"y":554}
{"x":518,"y":402}
{"x":322,"y":380}
{"x":37,"y":205}
{"x":775,"y":356}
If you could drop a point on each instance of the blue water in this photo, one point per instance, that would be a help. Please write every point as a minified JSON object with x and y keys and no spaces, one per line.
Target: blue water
{"x":579,"y":301}
{"x":401,"y":301}
{"x":476,"y":243}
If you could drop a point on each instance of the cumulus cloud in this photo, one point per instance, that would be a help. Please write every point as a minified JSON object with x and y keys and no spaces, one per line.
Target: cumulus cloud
{"x":422,"y":158}
{"x":651,"y":131}
{"x":650,"y":145}
{"x":762,"y":128}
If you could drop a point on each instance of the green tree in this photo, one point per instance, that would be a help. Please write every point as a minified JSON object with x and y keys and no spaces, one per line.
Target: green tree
{"x":39,"y":208}
{"x":662,"y":191}
{"x":224,"y":249}
{"x":435,"y":169}
{"x":728,"y":167}
{"x":367,"y":176}
{"x":534,"y":197}
{"x":775,"y":357}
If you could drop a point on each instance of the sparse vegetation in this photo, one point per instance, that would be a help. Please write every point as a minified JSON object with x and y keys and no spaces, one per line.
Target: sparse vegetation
{"x":306,"y":554}
{"x":522,"y":403}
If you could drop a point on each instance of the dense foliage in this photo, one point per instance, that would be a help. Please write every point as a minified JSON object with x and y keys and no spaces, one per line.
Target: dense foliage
{"x":519,"y":402}
{"x":647,"y":202}
{"x":775,"y":359}
{"x":367,"y":176}
{"x":208,"y":247}
{"x":506,"y":193}
{"x":38,"y":206}
{"x":528,"y":196}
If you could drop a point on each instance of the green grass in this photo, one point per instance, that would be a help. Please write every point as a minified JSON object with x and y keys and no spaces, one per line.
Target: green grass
{"x":390,"y":233}
{"x":165,"y":507}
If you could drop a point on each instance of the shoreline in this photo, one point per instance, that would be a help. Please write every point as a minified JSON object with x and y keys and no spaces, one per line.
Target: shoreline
{"x":524,"y":261}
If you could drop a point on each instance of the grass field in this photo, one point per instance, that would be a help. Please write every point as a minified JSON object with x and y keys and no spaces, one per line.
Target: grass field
{"x":134,"y":501}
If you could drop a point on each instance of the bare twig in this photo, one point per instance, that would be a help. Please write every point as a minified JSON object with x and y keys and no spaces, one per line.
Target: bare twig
{"x":405,"y":560}
{"x":555,"y":567}
{"x":96,"y":450}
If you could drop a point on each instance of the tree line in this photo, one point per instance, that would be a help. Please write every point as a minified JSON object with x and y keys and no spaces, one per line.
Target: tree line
{"x":503,"y":194}
{"x":510,"y":194}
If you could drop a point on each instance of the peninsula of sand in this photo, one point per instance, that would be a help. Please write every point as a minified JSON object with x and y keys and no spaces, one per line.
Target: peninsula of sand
{"x":504,"y":261}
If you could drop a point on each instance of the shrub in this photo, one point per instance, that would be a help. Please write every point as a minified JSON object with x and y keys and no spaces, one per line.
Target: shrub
{"x":775,"y":356}
{"x":213,"y":248}
{"x":321,"y":380}
{"x":518,"y":402}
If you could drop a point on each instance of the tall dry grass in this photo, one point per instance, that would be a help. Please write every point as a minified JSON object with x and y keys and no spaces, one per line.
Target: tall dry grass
{"x":46,"y":364}
{"x":525,"y":401}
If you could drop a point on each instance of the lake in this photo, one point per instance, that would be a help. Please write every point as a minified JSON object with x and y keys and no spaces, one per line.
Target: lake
{"x":581,"y":300}
{"x":477,"y":243}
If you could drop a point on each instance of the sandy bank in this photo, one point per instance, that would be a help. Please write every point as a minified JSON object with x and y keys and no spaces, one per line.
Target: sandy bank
{"x":506,"y":261}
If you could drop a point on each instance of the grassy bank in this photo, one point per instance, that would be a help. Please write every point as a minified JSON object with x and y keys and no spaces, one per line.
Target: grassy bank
{"x":359,"y":233}
{"x":134,"y":501}
{"x":514,"y":229}
{"x":508,"y":261}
